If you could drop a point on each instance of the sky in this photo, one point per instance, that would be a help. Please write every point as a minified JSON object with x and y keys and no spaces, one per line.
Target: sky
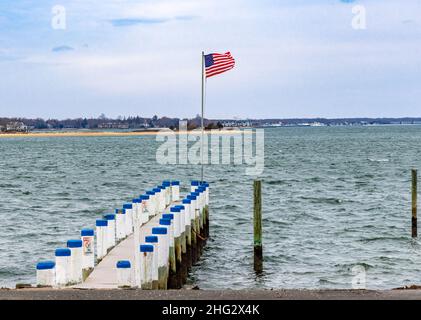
{"x":294,"y":58}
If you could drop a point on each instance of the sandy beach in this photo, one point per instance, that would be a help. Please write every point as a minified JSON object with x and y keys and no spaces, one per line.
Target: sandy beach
{"x":106,"y":133}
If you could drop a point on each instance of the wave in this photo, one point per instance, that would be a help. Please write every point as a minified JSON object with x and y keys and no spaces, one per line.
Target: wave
{"x":373,"y":239}
{"x":378,"y":160}
{"x":323,"y":200}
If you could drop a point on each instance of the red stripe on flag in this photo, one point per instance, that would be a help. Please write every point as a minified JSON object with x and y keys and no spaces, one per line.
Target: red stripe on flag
{"x":227,"y":65}
{"x":222,"y":62}
{"x":219,"y":65}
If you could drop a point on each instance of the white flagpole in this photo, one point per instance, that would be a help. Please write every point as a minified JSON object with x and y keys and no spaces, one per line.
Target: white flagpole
{"x":203,"y":107}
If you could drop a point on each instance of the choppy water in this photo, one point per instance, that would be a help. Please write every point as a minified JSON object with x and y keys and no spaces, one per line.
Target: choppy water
{"x":334,"y":198}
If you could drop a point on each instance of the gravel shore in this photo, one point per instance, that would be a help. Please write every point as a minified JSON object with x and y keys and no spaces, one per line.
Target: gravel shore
{"x":73,"y":294}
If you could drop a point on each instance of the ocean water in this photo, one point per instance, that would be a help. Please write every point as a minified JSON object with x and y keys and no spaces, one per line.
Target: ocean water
{"x":334,"y":199}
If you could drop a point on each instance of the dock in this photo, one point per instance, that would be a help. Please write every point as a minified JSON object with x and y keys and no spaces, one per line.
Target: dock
{"x":149,"y":244}
{"x":104,"y":275}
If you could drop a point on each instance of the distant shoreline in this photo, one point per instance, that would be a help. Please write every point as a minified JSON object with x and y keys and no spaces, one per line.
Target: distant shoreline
{"x":57,"y":134}
{"x":160,"y":131}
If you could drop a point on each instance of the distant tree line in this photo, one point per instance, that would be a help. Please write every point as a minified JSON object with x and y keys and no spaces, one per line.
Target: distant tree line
{"x":102,"y":122}
{"x":136,"y":122}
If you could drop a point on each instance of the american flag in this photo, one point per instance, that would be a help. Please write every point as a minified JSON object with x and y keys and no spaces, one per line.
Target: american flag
{"x":216,"y":63}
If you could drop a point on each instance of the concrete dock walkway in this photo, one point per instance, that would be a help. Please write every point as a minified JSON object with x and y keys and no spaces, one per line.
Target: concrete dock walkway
{"x":104,"y":275}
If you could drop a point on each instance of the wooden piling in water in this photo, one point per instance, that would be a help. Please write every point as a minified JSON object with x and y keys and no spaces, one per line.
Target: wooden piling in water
{"x":414,"y":204}
{"x":198,"y":236}
{"x":188,"y":247}
{"x":162,"y":278}
{"x":178,"y":261}
{"x":172,"y":277}
{"x":202,"y":226}
{"x":207,"y":221}
{"x":184,"y":270}
{"x":193,"y":241}
{"x":258,"y":249}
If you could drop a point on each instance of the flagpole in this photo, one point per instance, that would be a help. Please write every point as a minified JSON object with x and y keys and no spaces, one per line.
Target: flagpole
{"x":202,"y":121}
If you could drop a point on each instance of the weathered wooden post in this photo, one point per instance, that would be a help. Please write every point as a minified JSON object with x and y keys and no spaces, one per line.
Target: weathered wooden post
{"x":124,"y":274}
{"x":258,"y":250}
{"x":414,"y":203}
{"x":186,"y":203}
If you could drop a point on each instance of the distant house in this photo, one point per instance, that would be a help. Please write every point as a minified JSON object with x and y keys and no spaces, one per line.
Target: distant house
{"x":108,"y":125}
{"x":236,"y":123}
{"x":16,"y":126}
{"x":113,"y":125}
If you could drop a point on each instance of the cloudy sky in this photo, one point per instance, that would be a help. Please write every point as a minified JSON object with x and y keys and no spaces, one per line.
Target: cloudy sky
{"x":295,"y":58}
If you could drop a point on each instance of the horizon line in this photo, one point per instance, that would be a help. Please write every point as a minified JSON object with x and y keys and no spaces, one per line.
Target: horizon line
{"x":214,"y":119}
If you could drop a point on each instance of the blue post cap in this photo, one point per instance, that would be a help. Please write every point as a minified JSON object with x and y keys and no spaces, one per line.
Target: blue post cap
{"x":180,"y":206}
{"x":87,"y":232}
{"x":191,"y":197}
{"x":195,"y":183}
{"x":110,"y":216}
{"x":161,"y":187}
{"x":166,"y":183}
{"x":45,"y":265}
{"x":175,"y":183}
{"x":127,"y":206}
{"x":156,"y":190}
{"x":159,"y":230}
{"x":136,"y":200}
{"x":151,"y":239}
{"x":74,"y":243}
{"x":144,"y":197}
{"x":165,"y":222}
{"x":63,"y":252}
{"x":175,"y":209}
{"x":168,"y":216}
{"x":186,"y":201}
{"x":122,"y":211}
{"x":146,"y":248}
{"x":151,"y":193}
{"x":101,"y":223}
{"x":123,"y":264}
